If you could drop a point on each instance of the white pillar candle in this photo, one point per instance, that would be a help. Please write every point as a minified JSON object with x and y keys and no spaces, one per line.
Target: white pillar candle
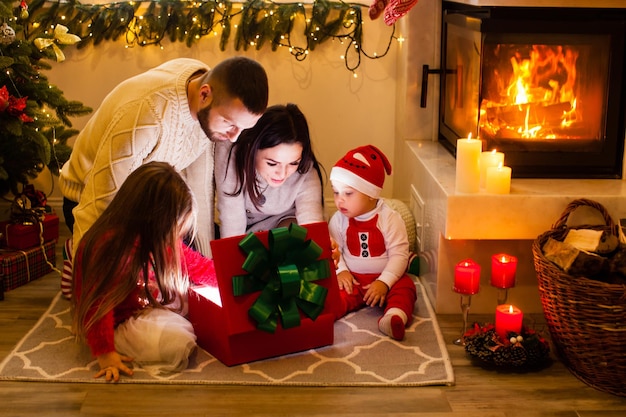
{"x":498,"y":180}
{"x":487,"y":160}
{"x":468,"y":165}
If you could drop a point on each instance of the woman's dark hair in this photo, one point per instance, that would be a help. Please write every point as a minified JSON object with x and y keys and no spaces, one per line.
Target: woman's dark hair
{"x":279,"y":124}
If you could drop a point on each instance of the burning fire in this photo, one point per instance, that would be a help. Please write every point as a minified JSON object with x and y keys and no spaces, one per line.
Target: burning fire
{"x":532,"y":94}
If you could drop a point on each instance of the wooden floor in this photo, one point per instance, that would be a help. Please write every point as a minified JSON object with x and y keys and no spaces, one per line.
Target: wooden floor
{"x":478,"y":392}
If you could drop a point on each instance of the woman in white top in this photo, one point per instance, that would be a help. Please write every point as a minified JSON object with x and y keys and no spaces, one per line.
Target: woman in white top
{"x":270,"y":177}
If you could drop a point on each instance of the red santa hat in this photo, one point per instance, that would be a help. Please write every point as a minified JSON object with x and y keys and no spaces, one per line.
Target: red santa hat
{"x":363,"y":169}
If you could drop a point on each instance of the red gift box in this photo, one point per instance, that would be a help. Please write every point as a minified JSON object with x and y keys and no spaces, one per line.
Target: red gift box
{"x":221,"y":319}
{"x":21,"y":236}
{"x":19,"y":267}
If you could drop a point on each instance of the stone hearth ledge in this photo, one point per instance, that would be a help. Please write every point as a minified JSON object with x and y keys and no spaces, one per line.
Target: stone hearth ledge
{"x":530,"y":209}
{"x":453,"y":227}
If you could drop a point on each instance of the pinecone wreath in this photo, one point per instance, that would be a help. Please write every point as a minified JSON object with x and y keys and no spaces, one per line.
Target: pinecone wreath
{"x":527,"y":350}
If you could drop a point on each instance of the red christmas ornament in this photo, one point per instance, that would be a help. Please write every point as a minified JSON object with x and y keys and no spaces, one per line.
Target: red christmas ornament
{"x":4,"y":98}
{"x":396,"y":9}
{"x":392,"y":9}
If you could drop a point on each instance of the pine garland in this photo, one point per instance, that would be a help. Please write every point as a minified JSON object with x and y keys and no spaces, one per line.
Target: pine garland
{"x":250,"y":24}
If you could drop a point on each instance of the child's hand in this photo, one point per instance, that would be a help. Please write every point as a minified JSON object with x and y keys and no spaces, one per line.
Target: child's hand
{"x":346,"y":281}
{"x":111,"y":364}
{"x":376,"y":293}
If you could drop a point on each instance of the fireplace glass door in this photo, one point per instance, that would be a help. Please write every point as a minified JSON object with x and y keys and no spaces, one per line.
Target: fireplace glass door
{"x":543,"y":86}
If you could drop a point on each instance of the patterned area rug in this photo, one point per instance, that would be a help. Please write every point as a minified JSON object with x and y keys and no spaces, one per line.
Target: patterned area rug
{"x":359,"y":356}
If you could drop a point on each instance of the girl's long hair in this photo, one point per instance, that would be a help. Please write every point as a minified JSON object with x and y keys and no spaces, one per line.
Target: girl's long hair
{"x":137,"y":235}
{"x":279,"y":124}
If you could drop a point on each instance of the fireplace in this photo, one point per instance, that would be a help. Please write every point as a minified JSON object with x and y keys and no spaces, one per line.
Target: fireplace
{"x":544,"y":85}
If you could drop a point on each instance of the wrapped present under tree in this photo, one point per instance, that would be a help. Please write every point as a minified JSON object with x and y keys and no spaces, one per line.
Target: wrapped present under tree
{"x":19,"y":267}
{"x":28,"y":235}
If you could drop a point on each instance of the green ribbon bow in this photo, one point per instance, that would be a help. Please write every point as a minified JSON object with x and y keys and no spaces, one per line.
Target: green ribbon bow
{"x":283,"y":273}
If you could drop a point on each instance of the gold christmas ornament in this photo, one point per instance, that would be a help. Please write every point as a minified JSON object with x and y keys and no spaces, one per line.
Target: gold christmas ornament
{"x":24,"y":12}
{"x":60,"y":36}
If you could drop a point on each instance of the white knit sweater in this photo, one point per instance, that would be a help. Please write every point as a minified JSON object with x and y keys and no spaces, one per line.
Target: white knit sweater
{"x":145,"y":118}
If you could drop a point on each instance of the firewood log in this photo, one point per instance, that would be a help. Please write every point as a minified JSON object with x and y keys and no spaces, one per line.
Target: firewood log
{"x":574,"y":261}
{"x":596,"y":241}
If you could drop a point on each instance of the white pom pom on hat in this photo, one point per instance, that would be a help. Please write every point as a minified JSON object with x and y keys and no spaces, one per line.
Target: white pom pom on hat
{"x":363,"y":169}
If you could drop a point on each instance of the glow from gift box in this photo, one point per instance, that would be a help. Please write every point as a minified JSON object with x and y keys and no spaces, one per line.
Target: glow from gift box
{"x":210,"y":293}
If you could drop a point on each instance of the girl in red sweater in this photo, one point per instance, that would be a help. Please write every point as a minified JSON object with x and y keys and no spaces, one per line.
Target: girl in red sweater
{"x":132,"y":272}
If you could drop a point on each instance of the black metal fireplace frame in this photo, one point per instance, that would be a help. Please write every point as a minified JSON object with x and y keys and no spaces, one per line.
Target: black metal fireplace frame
{"x":552,"y":163}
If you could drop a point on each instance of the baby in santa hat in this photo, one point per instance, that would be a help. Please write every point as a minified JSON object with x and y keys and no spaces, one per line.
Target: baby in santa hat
{"x":372,"y":240}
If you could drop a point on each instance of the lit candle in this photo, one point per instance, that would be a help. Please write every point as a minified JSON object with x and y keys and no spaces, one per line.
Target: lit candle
{"x":508,"y":319}
{"x":468,"y":165}
{"x":467,"y":277}
{"x":489,"y":160}
{"x":498,"y":180}
{"x":503,"y":269}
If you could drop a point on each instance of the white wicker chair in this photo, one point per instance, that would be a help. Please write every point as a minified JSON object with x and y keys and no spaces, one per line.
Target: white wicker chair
{"x":408,"y":218}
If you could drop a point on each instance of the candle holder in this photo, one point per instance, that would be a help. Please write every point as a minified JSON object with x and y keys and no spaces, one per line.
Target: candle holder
{"x":503,"y":294}
{"x":466,"y":301}
{"x":466,"y":283}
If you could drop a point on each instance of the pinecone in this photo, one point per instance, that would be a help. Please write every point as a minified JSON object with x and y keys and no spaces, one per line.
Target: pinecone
{"x":517,"y":355}
{"x":500,"y":356}
{"x":479,"y":345}
{"x":536,"y":351}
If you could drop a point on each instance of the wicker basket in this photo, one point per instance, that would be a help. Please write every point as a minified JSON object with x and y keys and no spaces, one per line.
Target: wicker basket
{"x":586,"y":318}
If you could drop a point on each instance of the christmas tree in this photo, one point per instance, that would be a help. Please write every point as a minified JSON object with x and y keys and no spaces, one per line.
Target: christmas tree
{"x":34,"y":115}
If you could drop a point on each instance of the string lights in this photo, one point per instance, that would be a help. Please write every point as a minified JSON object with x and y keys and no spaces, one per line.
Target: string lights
{"x":254,"y":24}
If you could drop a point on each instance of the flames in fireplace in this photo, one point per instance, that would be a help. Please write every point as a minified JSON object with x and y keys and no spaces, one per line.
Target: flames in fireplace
{"x":544,"y":85}
{"x":531,"y":92}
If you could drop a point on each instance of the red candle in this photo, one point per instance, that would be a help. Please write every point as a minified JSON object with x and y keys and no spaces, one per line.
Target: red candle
{"x":508,"y":319}
{"x":467,"y":277}
{"x":503,"y":269}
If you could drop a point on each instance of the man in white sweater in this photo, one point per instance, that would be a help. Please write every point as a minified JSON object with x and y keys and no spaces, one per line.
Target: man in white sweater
{"x":173,"y":113}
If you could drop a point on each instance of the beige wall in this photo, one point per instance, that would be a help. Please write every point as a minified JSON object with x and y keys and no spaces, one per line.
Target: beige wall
{"x":343,"y":111}
{"x":422,"y":29}
{"x":381,"y":106}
